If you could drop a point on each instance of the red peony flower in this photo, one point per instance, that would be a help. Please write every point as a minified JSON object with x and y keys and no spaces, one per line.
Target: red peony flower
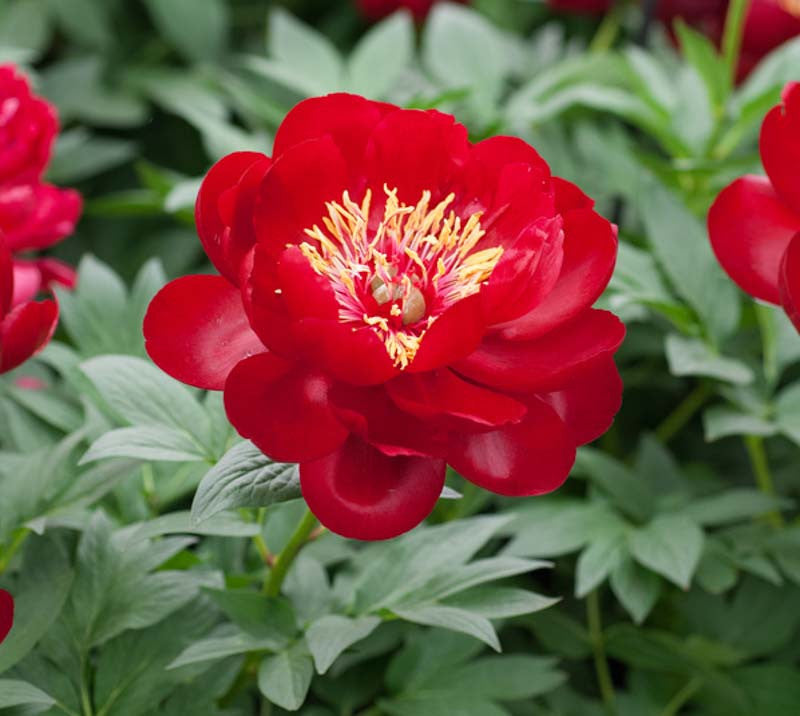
{"x":6,"y":614}
{"x":33,"y":215}
{"x":377,"y":9}
{"x":25,"y":327}
{"x":394,"y":299}
{"x":754,"y":224}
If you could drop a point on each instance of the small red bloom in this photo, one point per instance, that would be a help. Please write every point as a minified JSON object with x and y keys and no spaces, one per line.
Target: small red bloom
{"x":376,"y":9}
{"x":393,"y":299}
{"x":33,"y":215}
{"x":25,"y":326}
{"x":754,"y":224}
{"x":6,"y":614}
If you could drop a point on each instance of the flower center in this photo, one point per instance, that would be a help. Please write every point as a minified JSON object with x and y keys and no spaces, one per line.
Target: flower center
{"x":399,"y":277}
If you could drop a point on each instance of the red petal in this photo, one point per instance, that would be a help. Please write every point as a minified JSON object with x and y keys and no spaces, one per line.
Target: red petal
{"x":212,"y":226}
{"x":307,"y":294}
{"x":360,"y":493}
{"x":371,"y":415}
{"x":293,"y":195}
{"x":414,"y":151}
{"x":790,"y":281}
{"x":6,"y":614}
{"x":530,"y":458}
{"x":196,"y":330}
{"x":546,"y":363}
{"x":6,"y":279}
{"x":590,"y":252}
{"x":55,"y":271}
{"x":590,"y":401}
{"x":442,"y":394}
{"x":27,"y":282}
{"x":750,"y":228}
{"x":283,"y":409}
{"x":347,"y":119}
{"x":780,"y":146}
{"x":25,"y":331}
{"x":569,"y":196}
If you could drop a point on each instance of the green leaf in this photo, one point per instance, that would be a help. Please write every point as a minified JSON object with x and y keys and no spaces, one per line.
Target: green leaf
{"x":733,"y":505}
{"x":257,"y":614}
{"x":703,"y":56}
{"x":244,"y":477}
{"x":722,"y":421}
{"x":220,"y":646}
{"x":452,"y":618}
{"x":691,"y":356}
{"x":787,"y":411}
{"x":605,"y":551}
{"x":670,"y":545}
{"x":636,"y":588}
{"x":500,"y":602}
{"x":87,"y":22}
{"x":145,"y":443}
{"x":142,"y":395}
{"x":20,"y":693}
{"x":680,"y":244}
{"x":284,"y":678}
{"x":40,"y":595}
{"x":307,"y":54}
{"x":25,"y":24}
{"x":80,"y":155}
{"x":196,"y":28}
{"x":330,"y":635}
{"x":229,"y":524}
{"x":381,"y":56}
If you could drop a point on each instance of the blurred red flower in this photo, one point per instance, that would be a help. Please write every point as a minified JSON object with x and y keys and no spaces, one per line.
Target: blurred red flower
{"x":754,"y":224}
{"x":6,"y":614}
{"x":25,"y":327}
{"x":394,"y":298}
{"x":769,"y":23}
{"x":33,"y":215}
{"x":376,"y":9}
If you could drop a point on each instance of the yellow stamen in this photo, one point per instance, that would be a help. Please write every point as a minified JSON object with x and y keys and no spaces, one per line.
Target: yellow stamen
{"x":416,"y":253}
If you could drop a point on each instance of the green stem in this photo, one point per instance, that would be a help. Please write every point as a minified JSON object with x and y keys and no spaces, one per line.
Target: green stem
{"x":732,"y":37}
{"x":86,"y":699}
{"x":685,"y":411}
{"x":608,"y":30}
{"x":758,"y":459}
{"x":284,"y":560}
{"x":681,"y":698}
{"x":16,"y":542}
{"x":598,"y":648}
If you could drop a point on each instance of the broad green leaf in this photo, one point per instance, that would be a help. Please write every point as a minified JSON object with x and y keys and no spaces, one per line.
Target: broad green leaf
{"x":733,"y":505}
{"x":141,"y":394}
{"x":703,"y":56}
{"x":244,"y":477}
{"x":307,"y":54}
{"x":79,"y":155}
{"x":500,"y":602}
{"x":680,"y":244}
{"x":330,"y":635}
{"x":458,"y":620}
{"x":604,"y":553}
{"x":40,"y":595}
{"x":145,"y":443}
{"x":25,"y":24}
{"x":20,"y":693}
{"x":229,"y":524}
{"x":440,"y":705}
{"x":85,"y":21}
{"x":196,"y":28}
{"x":722,"y":421}
{"x":670,"y":545}
{"x":257,"y":614}
{"x":636,"y":588}
{"x":787,"y":412}
{"x":284,"y":678}
{"x":381,"y":56}
{"x":221,"y":646}
{"x":691,"y":356}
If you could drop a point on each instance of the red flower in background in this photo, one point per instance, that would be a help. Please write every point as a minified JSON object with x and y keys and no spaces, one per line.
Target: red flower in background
{"x":393,"y":299}
{"x":376,"y":9}
{"x":33,"y":215}
{"x":754,"y":224}
{"x":6,"y":614}
{"x":769,"y":23}
{"x":25,"y":327}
